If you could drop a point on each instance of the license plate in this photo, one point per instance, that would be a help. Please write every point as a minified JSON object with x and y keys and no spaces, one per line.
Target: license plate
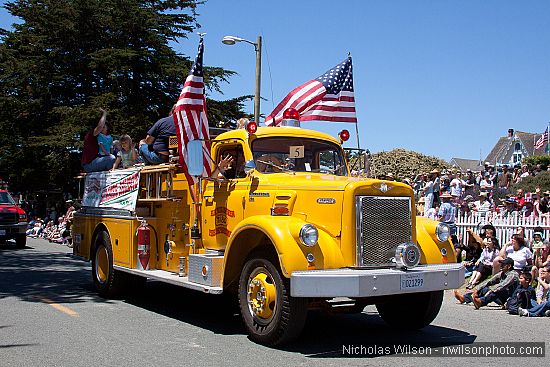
{"x":2,"y":232}
{"x":412,"y":281}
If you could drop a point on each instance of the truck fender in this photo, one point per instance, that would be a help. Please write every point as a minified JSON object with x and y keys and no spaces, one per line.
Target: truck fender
{"x":430,"y":246}
{"x":281,"y":234}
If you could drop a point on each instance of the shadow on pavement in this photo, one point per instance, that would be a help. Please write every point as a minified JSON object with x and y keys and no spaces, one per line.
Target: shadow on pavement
{"x":366,"y":335}
{"x":324,"y":336}
{"x":30,"y":275}
{"x":217,"y":313}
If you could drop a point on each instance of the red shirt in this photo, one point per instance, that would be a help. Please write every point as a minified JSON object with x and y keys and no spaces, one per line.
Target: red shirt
{"x":91,"y":148}
{"x":520,"y":202}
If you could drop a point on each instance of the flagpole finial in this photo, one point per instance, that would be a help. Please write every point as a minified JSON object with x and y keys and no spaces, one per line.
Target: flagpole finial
{"x":349,"y":53}
{"x":201,"y":35}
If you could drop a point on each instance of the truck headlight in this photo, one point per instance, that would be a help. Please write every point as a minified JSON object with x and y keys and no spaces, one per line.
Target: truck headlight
{"x":442,"y":232}
{"x":407,"y":255}
{"x":309,"y":235}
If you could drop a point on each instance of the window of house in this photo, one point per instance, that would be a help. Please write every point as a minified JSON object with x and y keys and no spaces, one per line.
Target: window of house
{"x":517,"y":147}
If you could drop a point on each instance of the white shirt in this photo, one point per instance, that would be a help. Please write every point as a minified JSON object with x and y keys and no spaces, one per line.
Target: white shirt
{"x":456,"y":187}
{"x":482,"y":206}
{"x":520,"y":257}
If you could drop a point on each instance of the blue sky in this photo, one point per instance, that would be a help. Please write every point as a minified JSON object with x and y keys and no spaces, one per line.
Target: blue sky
{"x":444,"y":78}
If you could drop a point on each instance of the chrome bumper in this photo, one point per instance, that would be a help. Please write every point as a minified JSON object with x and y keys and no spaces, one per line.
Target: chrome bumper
{"x":375,"y":282}
{"x":13,"y":229}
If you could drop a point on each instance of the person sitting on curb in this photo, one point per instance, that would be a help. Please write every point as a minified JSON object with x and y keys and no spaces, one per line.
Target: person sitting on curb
{"x":542,"y":305}
{"x":523,"y":295}
{"x":484,"y":265}
{"x":541,"y":252}
{"x":496,"y":289}
{"x":518,"y":252}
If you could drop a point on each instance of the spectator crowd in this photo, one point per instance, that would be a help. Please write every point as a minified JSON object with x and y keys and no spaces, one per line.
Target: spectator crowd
{"x":486,"y":193}
{"x":514,"y":275}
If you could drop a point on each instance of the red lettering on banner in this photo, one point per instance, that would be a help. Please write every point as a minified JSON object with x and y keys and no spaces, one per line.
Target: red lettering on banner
{"x":124,"y":186}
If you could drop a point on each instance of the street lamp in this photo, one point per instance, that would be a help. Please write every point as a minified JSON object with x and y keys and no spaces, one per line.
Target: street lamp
{"x":231,"y":40}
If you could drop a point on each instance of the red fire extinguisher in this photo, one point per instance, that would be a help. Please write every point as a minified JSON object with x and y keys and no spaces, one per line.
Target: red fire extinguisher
{"x":143,"y":246}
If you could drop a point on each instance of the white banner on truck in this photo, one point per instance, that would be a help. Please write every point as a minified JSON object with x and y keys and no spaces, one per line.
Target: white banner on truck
{"x":112,"y":189}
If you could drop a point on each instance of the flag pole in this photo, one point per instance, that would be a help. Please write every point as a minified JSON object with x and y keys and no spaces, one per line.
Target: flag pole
{"x":356,"y":124}
{"x":357,"y":132}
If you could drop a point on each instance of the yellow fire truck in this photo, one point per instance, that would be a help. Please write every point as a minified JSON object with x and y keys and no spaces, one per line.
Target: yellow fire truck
{"x":287,"y":229}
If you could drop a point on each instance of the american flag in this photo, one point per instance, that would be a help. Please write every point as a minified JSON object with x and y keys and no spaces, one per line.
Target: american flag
{"x":542,"y":140}
{"x":328,"y":98}
{"x":190,"y":116}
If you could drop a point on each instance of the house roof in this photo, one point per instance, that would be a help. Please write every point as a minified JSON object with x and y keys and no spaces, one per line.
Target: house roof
{"x":465,"y":164}
{"x":497,"y":150}
{"x":504,"y":143}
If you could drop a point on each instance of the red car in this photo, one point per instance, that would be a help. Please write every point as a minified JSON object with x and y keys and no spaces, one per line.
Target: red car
{"x":13,"y":220}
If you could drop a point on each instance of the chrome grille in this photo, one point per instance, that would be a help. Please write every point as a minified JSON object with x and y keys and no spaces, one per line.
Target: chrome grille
{"x":382,"y":224}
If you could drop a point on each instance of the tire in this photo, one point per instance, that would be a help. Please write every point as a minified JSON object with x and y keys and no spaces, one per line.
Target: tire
{"x":21,"y":241}
{"x":107,"y":281}
{"x":282,"y":317}
{"x":411,"y":311}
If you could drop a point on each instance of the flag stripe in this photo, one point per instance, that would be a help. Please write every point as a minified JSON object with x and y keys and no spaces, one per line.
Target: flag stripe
{"x":332,"y":108}
{"x":328,"y":118}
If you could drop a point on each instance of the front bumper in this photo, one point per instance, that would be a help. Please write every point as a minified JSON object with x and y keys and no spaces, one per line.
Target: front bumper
{"x":375,"y":282}
{"x":11,"y":230}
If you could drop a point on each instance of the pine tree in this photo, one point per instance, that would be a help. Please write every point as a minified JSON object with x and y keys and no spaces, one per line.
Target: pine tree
{"x":69,"y":57}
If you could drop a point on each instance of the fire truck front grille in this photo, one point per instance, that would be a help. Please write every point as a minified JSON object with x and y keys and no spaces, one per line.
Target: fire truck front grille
{"x":383,"y":223}
{"x":8,"y":218}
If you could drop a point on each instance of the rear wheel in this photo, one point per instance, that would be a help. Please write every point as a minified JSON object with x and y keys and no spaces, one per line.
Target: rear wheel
{"x":107,"y":281}
{"x":21,"y":240}
{"x":411,"y":311}
{"x":271,"y":316}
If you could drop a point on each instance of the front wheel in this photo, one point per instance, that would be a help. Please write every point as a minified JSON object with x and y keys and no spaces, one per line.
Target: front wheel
{"x":271,"y":316}
{"x":411,"y":311}
{"x":21,"y":241}
{"x":107,"y":281}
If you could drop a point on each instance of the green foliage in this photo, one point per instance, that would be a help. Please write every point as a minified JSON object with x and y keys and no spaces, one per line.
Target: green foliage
{"x":403,"y":163}
{"x":534,"y":160}
{"x":530,"y":183}
{"x":68,"y":58}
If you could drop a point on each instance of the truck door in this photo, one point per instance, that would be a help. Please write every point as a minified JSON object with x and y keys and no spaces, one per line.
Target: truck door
{"x":224,"y":198}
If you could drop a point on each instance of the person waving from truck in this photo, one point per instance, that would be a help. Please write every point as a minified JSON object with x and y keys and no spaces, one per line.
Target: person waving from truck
{"x":154,"y":148}
{"x":92,"y":160}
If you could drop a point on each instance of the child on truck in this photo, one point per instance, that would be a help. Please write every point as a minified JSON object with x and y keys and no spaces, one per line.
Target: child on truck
{"x":128,"y":154}
{"x":105,"y":140}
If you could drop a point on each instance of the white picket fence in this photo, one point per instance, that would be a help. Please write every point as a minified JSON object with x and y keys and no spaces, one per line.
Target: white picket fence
{"x":505,"y":227}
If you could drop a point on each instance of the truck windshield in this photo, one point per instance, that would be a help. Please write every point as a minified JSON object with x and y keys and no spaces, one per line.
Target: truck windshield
{"x":6,"y":198}
{"x":272,"y":155}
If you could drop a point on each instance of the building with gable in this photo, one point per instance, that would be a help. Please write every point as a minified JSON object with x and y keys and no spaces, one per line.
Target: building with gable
{"x":511,"y":149}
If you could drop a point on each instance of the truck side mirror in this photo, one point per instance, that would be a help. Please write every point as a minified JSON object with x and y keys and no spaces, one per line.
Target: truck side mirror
{"x":249,"y":166}
{"x":195,"y":164}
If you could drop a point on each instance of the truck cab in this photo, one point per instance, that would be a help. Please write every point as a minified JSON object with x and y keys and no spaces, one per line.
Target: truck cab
{"x":13,"y":220}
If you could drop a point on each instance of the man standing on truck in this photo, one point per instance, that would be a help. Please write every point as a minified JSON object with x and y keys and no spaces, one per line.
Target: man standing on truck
{"x":154,"y":148}
{"x":91,"y":160}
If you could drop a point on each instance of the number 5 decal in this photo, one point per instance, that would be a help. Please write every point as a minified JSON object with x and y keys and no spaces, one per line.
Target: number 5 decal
{"x":296,"y":151}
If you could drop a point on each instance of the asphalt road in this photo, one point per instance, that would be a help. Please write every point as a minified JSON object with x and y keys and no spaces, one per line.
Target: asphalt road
{"x":51,"y":316}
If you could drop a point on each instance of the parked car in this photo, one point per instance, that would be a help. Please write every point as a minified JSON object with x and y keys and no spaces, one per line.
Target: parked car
{"x":13,"y":220}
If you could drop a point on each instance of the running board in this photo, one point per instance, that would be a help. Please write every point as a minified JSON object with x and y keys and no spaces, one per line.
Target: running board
{"x":172,"y":278}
